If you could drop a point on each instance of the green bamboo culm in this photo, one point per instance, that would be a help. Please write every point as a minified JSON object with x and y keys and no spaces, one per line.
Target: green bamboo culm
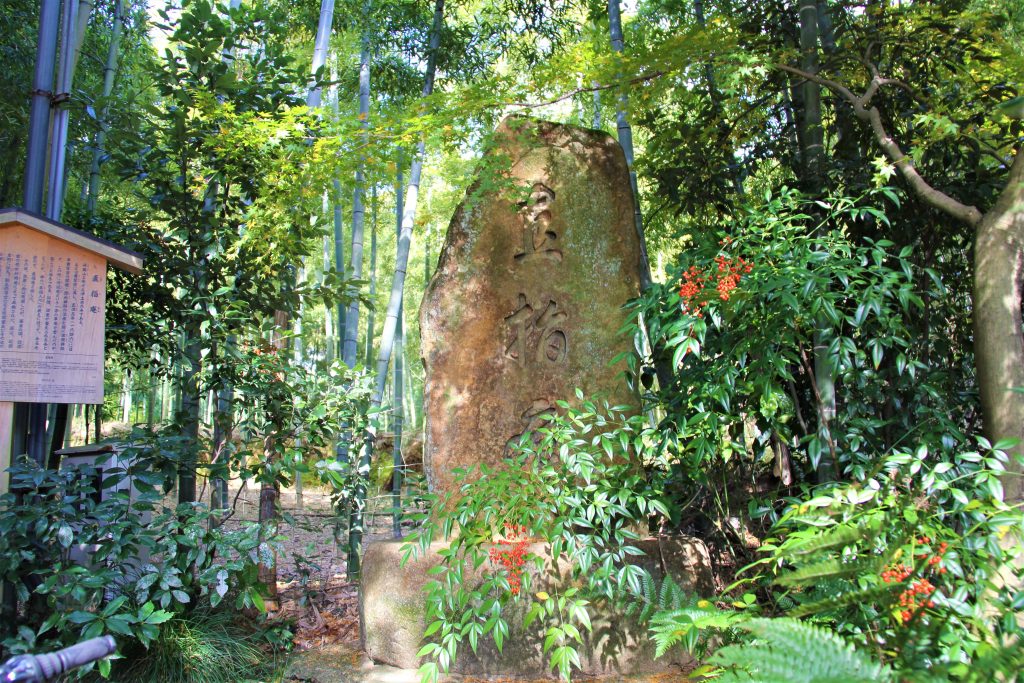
{"x":355,"y":528}
{"x":387,"y":338}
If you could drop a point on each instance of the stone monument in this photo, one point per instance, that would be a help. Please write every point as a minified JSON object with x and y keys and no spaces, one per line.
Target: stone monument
{"x":524,"y":308}
{"x":526,"y":303}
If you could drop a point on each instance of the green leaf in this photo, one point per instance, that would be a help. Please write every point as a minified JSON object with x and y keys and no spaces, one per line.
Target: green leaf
{"x":65,"y":536}
{"x":79,"y":617}
{"x":119,"y":624}
{"x":158,"y":617}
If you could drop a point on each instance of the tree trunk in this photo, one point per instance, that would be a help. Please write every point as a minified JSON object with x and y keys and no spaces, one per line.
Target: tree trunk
{"x":329,"y":342}
{"x":341,"y":326}
{"x":813,"y":138}
{"x":126,"y":397}
{"x":39,"y":115}
{"x":85,"y":8}
{"x":423,"y":387}
{"x":398,"y":462}
{"x":320,"y":46}
{"x":223,"y":424}
{"x":270,"y":491}
{"x":59,"y":128}
{"x":151,"y":399}
{"x":998,"y":341}
{"x":339,"y":265}
{"x":59,"y":430}
{"x":35,"y":177}
{"x":625,"y":132}
{"x":189,"y":416}
{"x":297,"y":359}
{"x":351,"y":347}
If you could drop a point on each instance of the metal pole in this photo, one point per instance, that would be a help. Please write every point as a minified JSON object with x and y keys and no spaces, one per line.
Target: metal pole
{"x":39,"y":115}
{"x":58,"y":146}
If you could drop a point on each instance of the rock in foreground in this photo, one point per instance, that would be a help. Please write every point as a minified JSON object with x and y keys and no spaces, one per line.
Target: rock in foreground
{"x":392,"y":614}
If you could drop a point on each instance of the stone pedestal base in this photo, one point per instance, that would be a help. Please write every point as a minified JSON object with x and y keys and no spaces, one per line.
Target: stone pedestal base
{"x":392,"y":614}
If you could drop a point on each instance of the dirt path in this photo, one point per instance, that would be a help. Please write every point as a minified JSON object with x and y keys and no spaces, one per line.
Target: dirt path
{"x":314,"y":591}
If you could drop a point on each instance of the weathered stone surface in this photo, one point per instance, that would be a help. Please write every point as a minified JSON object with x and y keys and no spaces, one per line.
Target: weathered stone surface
{"x":392,"y":612}
{"x":525,"y":305}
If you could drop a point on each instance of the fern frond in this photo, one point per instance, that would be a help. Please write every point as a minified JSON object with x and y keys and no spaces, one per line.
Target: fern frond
{"x":671,"y":596}
{"x":790,"y":651}
{"x":650,"y":593}
{"x":646,"y":598}
{"x":859,"y":595}
{"x":833,"y":568}
{"x":684,"y":626}
{"x":838,"y":537}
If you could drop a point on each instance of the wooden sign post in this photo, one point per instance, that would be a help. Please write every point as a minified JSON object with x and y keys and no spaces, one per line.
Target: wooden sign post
{"x":53,"y":284}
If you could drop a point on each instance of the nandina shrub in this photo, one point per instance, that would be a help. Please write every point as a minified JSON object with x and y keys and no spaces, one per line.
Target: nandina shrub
{"x":123,"y":565}
{"x":571,"y":486}
{"x":901,"y":556}
{"x":736,"y":329}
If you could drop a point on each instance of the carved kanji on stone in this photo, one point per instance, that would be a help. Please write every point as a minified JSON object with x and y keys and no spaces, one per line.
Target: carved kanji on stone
{"x":537,"y":416}
{"x":537,"y":335}
{"x":526,"y":303}
{"x":539,"y":238}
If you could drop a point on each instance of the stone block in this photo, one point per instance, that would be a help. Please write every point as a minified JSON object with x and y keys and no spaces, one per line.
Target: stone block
{"x":392,"y":603}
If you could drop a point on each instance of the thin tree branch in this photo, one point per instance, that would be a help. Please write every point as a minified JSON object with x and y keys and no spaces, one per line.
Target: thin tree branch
{"x":870,"y":114}
{"x":594,"y":88}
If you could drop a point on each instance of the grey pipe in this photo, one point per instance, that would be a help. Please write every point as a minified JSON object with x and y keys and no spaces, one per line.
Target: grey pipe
{"x":39,"y":115}
{"x":58,"y":146}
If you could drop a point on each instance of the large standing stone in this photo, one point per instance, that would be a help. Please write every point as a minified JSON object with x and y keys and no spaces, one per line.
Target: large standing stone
{"x":526,"y":303}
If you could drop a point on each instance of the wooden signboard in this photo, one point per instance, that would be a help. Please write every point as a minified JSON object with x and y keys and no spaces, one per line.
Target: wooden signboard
{"x":52,"y":299}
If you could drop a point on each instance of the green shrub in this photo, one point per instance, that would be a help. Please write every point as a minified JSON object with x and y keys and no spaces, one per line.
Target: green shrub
{"x":916,"y":566}
{"x":571,"y":489}
{"x":144,"y":564}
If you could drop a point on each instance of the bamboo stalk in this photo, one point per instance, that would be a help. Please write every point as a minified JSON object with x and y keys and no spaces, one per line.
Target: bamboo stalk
{"x":387,"y":340}
{"x":109,"y":71}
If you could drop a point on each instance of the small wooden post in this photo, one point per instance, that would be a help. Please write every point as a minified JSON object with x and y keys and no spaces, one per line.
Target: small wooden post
{"x":6,"y":432}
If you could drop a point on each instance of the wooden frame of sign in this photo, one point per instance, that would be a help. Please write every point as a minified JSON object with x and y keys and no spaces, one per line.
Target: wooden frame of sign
{"x":53,"y":285}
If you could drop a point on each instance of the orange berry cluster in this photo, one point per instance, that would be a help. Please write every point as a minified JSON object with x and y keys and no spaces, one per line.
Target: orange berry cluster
{"x":935,"y":559}
{"x":513,"y":557}
{"x":918,"y":595}
{"x":897,"y":573}
{"x":696,"y":284}
{"x":909,"y":598}
{"x":729,"y":273}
